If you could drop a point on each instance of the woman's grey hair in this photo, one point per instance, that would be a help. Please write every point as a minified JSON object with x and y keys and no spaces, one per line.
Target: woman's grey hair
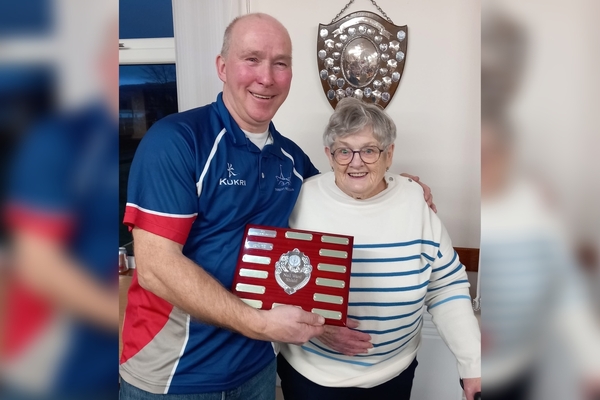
{"x":352,"y":116}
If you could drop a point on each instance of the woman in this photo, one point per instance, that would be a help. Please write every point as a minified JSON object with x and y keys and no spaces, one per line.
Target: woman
{"x":403,"y":262}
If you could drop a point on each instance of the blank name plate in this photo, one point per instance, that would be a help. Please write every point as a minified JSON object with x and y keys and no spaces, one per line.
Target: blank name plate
{"x":311,"y":270}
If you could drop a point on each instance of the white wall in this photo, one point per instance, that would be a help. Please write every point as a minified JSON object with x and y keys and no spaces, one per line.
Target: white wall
{"x":436,"y":106}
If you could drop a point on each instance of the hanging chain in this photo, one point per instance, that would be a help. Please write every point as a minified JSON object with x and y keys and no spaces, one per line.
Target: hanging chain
{"x":382,"y":12}
{"x":352,"y":1}
{"x":341,"y":12}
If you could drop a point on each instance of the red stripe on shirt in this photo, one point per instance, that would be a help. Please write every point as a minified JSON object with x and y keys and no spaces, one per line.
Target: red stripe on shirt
{"x":27,"y":316}
{"x":146,"y":314}
{"x":49,"y":224}
{"x":172,"y":228}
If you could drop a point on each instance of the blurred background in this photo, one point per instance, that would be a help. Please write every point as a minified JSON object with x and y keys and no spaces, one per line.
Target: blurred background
{"x":59,"y":195}
{"x":540,"y":184}
{"x":59,"y":199}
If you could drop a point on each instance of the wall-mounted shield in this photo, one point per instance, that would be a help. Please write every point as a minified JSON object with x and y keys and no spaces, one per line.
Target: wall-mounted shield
{"x":361,"y":55}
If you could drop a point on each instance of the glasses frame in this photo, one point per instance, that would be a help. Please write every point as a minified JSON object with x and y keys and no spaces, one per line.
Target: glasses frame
{"x":358,"y":151}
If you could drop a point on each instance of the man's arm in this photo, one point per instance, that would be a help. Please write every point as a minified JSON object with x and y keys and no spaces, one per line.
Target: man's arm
{"x":48,"y":269}
{"x":163,"y":270}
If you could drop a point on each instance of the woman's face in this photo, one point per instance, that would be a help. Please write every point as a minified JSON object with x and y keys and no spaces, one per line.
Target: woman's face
{"x":357,"y":179}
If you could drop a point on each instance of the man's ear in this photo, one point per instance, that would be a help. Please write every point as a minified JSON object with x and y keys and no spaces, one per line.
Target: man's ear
{"x":221,"y":70}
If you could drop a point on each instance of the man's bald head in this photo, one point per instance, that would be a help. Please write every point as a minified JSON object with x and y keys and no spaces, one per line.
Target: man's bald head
{"x":236,"y":21}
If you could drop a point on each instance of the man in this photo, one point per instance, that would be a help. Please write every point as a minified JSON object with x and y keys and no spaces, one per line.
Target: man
{"x":197,"y":179}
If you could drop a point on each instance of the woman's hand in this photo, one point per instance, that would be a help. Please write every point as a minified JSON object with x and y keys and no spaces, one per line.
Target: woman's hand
{"x":426,"y":191}
{"x":471,"y":386}
{"x":346,"y":340}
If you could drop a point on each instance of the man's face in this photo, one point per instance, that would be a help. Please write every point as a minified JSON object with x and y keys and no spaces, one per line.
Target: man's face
{"x":256,"y":72}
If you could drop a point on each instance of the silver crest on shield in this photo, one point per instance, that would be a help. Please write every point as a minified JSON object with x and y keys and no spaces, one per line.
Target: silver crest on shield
{"x":292,"y":271}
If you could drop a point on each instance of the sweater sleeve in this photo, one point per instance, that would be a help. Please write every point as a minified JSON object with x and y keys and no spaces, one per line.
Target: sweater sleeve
{"x":449,"y":303}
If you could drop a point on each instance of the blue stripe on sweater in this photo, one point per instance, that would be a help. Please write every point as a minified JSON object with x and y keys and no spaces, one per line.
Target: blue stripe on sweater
{"x":427,"y":256}
{"x":391,"y":289}
{"x":398,"y":339}
{"x":382,"y":274}
{"x":382,"y":260}
{"x":451,"y":283}
{"x":460,"y":266}
{"x":463,"y":296}
{"x":375,"y":332}
{"x":377,"y":318}
{"x":378,"y":304}
{"x":447,"y":265}
{"x":399,"y":347}
{"x":398,"y":244}
{"x":364,"y":364}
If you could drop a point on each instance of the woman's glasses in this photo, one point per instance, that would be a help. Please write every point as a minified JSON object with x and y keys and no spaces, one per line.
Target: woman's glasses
{"x":369,"y":155}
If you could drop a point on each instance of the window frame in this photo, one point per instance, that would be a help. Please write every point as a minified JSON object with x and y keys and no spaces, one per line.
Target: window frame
{"x":147,"y":51}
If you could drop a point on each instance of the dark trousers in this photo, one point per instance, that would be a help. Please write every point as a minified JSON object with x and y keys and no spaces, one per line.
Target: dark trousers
{"x":296,"y":387}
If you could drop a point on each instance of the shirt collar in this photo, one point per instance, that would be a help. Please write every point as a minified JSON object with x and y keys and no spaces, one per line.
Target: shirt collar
{"x":237,"y":135}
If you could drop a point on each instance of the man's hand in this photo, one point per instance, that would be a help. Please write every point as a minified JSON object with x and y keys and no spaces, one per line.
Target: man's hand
{"x":346,"y":341}
{"x":289,"y":324}
{"x":471,"y":386}
{"x":426,"y":191}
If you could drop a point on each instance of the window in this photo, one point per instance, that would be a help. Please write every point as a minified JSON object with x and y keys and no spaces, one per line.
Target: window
{"x":147,"y":93}
{"x":147,"y":82}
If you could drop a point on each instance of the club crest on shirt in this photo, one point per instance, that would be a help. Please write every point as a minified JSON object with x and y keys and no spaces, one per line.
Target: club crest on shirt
{"x":283,"y":182}
{"x":231,"y":180}
{"x":292,"y":271}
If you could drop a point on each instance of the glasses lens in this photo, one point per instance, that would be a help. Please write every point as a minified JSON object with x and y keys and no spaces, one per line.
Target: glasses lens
{"x":343,"y":156}
{"x":369,"y":154}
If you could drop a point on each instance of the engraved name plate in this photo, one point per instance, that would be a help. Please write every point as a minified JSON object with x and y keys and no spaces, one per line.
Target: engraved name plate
{"x":328,"y":313}
{"x":331,"y":268}
{"x":259,"y":245}
{"x":262,"y":232}
{"x":330,"y":282}
{"x":254,"y":273}
{"x":256,"y":259}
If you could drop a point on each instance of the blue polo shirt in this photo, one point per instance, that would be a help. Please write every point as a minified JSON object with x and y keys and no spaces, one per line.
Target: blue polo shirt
{"x":64,"y":189}
{"x":197,"y":180}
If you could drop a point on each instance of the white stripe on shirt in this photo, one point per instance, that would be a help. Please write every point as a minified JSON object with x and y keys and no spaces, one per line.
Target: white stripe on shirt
{"x":210,"y":157}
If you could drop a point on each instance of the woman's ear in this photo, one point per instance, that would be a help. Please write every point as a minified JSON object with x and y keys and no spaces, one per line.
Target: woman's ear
{"x":390,"y":155}
{"x":329,"y":156}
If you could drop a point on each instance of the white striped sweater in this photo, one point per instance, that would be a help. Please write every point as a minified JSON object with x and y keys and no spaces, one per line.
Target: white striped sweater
{"x":403,"y":263}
